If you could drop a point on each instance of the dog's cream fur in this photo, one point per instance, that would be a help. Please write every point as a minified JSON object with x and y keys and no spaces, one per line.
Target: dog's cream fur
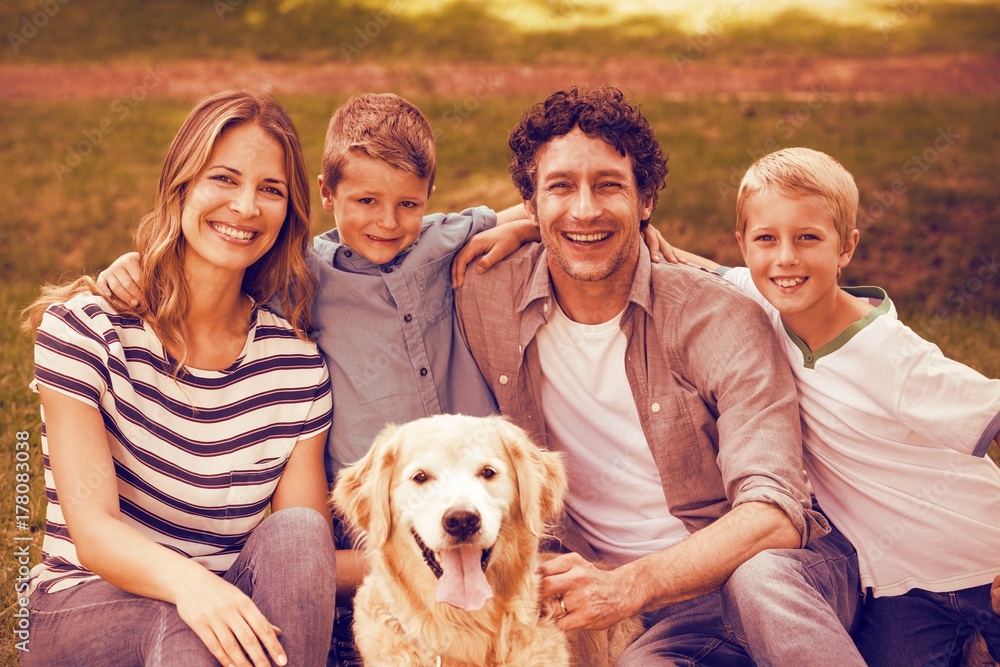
{"x":406,"y":484}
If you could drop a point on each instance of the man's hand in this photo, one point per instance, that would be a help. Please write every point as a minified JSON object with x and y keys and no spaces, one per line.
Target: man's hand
{"x":121,"y":279}
{"x":592,"y":598}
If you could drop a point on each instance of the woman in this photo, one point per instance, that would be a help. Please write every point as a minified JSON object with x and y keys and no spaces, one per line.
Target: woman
{"x":170,"y":429}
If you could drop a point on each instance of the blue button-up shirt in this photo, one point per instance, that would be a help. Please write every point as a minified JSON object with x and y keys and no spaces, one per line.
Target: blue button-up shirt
{"x":389,"y":335}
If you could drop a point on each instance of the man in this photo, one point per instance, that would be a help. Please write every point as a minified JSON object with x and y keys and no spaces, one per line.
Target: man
{"x":676,"y":412}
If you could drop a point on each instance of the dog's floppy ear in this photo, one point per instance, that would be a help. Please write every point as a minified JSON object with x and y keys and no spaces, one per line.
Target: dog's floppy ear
{"x":361,"y":493}
{"x":541,"y":480}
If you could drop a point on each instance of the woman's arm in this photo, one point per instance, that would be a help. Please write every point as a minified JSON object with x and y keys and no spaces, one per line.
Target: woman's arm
{"x":303,"y":481}
{"x":219,"y":613}
{"x":303,"y":484}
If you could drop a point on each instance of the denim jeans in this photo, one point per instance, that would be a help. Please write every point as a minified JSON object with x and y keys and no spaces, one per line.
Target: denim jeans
{"x":782,"y":607}
{"x":923,"y":629}
{"x":798,"y":606}
{"x":286,"y":568}
{"x":686,"y":634}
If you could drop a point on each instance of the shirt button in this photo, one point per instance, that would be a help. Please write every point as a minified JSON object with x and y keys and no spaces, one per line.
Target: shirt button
{"x":809,"y":358}
{"x":545,"y":307}
{"x":423,"y":372}
{"x":388,"y":269}
{"x":504,"y":379}
{"x":655,"y":407}
{"x":407,"y":318}
{"x":348,"y":253}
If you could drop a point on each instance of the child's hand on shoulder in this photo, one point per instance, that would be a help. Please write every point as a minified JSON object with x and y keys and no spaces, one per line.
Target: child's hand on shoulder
{"x":659,"y":248}
{"x":493,"y":244}
{"x":121,"y":279}
{"x":995,"y":595}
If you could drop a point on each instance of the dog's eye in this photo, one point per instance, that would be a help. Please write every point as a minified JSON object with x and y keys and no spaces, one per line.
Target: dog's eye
{"x":420,"y":477}
{"x":488,"y":473}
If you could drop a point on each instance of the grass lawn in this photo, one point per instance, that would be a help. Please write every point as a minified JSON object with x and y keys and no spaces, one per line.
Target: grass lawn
{"x":926,"y":166}
{"x":587,"y":31}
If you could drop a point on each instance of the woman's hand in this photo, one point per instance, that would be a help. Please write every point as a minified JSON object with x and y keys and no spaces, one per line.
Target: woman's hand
{"x":227,"y":621}
{"x":121,"y":279}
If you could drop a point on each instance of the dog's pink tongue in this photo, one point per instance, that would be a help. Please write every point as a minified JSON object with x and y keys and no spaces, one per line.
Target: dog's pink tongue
{"x":463,"y":583}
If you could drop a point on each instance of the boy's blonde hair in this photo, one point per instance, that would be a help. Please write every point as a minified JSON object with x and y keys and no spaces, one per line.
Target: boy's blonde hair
{"x":383,"y":126}
{"x":802,"y":172}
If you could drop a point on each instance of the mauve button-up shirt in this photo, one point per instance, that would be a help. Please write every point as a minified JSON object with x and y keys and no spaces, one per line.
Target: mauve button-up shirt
{"x":389,"y":335}
{"x":715,"y":397}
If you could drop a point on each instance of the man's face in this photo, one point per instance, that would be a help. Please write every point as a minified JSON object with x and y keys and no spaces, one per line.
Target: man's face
{"x":587,"y":208}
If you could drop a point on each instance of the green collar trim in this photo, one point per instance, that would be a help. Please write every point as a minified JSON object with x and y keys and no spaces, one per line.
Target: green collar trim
{"x":810,"y":357}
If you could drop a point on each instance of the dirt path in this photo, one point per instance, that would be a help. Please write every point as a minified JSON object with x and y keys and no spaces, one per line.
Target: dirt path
{"x":839,"y":77}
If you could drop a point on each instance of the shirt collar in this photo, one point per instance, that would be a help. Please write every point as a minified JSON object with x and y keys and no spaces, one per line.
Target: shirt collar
{"x":540,"y":283}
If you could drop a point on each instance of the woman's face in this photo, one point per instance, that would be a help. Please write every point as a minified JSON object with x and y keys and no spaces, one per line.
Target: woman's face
{"x":235,"y":207}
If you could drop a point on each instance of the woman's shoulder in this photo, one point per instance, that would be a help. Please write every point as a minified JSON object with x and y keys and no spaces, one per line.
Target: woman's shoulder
{"x":275,"y":329}
{"x":85,"y":313}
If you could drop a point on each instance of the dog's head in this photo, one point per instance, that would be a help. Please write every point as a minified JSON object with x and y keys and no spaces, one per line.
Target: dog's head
{"x":446,"y":490}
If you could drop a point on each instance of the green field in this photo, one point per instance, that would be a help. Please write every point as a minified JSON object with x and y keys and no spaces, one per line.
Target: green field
{"x":927,"y":166}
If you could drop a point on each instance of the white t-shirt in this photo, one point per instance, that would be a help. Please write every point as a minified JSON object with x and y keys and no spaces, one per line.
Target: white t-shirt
{"x":895,"y":435}
{"x":615,"y":492}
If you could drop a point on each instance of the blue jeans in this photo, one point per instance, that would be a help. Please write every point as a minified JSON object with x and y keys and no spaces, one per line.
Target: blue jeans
{"x":798,"y":606}
{"x":686,"y":634}
{"x":920,"y":629}
{"x":782,"y":607}
{"x":286,"y":568}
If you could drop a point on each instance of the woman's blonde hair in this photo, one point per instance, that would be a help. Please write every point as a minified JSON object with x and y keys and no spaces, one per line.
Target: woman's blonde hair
{"x":281,"y":275}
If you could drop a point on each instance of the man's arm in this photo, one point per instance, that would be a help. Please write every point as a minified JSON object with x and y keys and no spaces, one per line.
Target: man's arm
{"x":700,"y":564}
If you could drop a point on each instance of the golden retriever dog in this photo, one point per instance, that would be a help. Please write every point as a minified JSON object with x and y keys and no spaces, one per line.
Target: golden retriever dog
{"x":451,"y":510}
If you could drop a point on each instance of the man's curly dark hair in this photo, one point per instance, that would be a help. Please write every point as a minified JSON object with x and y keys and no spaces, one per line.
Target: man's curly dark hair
{"x":601,"y":113}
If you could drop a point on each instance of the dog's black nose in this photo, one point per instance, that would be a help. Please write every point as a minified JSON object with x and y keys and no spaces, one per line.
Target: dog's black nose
{"x":461,"y":523}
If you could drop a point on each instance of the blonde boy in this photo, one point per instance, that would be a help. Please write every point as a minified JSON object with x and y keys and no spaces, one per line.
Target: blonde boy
{"x":894,"y":432}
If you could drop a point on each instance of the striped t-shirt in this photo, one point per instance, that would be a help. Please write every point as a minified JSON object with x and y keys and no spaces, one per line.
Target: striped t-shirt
{"x":197,"y":458}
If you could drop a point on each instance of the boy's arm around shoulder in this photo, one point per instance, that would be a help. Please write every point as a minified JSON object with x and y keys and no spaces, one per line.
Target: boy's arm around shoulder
{"x":513,"y":229}
{"x":122,"y":279}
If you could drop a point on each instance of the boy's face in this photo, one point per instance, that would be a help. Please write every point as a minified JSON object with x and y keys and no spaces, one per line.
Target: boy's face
{"x":793,"y":251}
{"x":379,"y":209}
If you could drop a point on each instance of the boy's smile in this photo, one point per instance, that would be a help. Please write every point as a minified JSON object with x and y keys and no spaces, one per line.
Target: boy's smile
{"x":379,"y":209}
{"x":794,"y":254}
